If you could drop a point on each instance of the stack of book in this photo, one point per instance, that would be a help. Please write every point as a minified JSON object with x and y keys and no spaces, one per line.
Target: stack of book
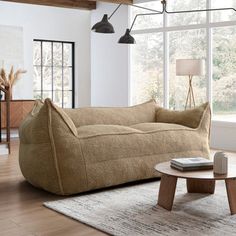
{"x":191,"y":164}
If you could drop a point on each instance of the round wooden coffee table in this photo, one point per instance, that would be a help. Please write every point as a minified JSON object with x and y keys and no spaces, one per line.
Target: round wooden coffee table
{"x":202,"y":181}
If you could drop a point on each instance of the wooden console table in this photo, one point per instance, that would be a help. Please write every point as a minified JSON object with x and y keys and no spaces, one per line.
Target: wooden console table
{"x":18,"y":111}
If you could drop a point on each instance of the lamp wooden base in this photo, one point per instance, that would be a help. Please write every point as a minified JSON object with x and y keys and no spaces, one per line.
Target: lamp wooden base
{"x":190,"y":100}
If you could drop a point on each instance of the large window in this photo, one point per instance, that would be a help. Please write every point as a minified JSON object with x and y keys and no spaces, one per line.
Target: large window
{"x":54,"y":72}
{"x":163,"y":39}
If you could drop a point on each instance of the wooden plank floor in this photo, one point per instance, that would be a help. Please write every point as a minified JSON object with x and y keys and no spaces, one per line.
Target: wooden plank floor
{"x":21,"y":210}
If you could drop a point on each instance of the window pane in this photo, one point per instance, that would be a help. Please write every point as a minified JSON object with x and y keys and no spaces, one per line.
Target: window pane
{"x":186,"y":18}
{"x":37,"y":95}
{"x":47,"y":53}
{"x":47,"y":94}
{"x":57,"y":78}
{"x":224,"y":73}
{"x":67,"y":99}
{"x":57,"y":98}
{"x":37,"y":53}
{"x":147,"y":22}
{"x":47,"y":78}
{"x":37,"y":78}
{"x":228,"y":15}
{"x":147,"y":68}
{"x":67,"y":78}
{"x":186,"y":45}
{"x":57,"y":54}
{"x":67,"y":54}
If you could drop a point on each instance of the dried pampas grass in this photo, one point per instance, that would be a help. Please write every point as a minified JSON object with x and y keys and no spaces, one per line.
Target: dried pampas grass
{"x":7,"y":82}
{"x":12,"y":78}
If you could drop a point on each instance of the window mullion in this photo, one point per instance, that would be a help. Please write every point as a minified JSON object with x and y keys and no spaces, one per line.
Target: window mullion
{"x":166,"y":62}
{"x":62,"y":85}
{"x":52,"y":70}
{"x":209,"y":55}
{"x":41,"y":48}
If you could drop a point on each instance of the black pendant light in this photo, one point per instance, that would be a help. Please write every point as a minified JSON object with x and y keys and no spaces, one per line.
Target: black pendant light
{"x":104,"y":26}
{"x":127,"y":38}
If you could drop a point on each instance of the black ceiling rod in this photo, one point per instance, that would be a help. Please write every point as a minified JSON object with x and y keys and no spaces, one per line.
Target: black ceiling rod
{"x":114,"y":11}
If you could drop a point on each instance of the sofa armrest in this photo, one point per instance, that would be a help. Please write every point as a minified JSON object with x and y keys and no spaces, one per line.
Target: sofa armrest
{"x":68,"y":121}
{"x":50,"y":153}
{"x":191,"y":118}
{"x":34,"y":129}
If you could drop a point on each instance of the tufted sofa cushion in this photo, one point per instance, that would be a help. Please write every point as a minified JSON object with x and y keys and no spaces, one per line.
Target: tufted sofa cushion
{"x":188,"y":118}
{"x":145,"y":112}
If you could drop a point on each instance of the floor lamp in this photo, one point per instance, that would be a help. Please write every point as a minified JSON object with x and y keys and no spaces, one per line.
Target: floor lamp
{"x":189,"y":67}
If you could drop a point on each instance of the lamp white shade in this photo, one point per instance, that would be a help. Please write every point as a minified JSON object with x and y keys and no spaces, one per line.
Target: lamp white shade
{"x":189,"y":67}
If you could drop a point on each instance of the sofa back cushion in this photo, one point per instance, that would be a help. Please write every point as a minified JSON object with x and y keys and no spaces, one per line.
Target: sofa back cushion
{"x":190,"y":118}
{"x":113,"y":116}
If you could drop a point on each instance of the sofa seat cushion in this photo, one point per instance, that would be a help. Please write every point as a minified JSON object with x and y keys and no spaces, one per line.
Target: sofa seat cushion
{"x":89,"y":131}
{"x":109,"y":149}
{"x":154,"y":127}
{"x":110,"y":142}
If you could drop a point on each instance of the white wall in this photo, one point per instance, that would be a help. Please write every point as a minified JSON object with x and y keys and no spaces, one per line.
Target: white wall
{"x":109,"y":60}
{"x":41,"y":22}
{"x":223,"y":135}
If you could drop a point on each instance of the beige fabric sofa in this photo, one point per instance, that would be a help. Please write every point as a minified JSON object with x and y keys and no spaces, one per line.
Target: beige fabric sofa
{"x":68,"y":151}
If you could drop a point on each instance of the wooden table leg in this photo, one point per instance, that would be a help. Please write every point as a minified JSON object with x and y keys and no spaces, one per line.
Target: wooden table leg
{"x":200,"y":186}
{"x":231,"y":192}
{"x":167,"y":191}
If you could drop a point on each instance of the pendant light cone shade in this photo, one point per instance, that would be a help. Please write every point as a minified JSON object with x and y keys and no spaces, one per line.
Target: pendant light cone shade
{"x":104,"y":26}
{"x":127,"y":38}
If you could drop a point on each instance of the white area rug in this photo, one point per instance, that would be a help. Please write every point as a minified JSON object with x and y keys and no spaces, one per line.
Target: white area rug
{"x":132,"y":211}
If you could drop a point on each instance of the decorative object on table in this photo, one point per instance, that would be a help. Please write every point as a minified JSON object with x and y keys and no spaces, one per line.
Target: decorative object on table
{"x":191,"y":164}
{"x":189,"y":67}
{"x":220,"y":163}
{"x":8,"y":81}
{"x":104,"y":26}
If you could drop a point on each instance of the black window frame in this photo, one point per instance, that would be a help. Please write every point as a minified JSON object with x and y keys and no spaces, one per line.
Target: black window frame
{"x":62,"y":67}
